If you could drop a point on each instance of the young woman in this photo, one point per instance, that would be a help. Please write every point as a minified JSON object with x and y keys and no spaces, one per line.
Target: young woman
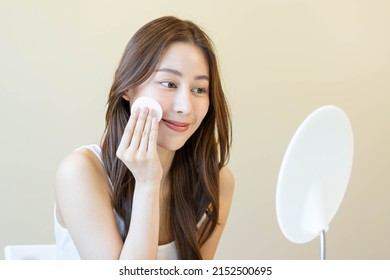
{"x":153,"y":190}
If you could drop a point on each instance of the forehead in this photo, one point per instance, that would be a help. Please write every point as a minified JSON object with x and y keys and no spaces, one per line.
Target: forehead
{"x":186,"y":58}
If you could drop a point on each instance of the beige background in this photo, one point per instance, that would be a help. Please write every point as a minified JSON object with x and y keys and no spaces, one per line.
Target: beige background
{"x":280,"y":60}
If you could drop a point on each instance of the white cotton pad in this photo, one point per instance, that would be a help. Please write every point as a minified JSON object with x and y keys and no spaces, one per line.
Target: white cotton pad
{"x":148,"y":102}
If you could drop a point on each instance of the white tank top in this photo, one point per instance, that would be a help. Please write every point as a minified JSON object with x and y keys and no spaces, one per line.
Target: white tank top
{"x":66,"y":249}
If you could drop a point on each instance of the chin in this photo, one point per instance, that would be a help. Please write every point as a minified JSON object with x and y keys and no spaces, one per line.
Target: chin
{"x":170,"y":145}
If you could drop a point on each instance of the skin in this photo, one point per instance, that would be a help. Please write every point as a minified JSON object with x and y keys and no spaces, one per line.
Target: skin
{"x":84,"y":206}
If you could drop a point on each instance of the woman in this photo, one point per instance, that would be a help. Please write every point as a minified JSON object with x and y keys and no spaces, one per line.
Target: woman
{"x":154,"y":190}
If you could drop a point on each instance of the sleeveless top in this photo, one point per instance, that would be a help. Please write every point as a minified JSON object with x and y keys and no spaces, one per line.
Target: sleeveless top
{"x":66,"y":249}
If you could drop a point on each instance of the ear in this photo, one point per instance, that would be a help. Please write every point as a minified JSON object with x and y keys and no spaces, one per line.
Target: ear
{"x":127,"y":95}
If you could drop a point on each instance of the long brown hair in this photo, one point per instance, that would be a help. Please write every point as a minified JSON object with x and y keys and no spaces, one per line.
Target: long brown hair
{"x":194,"y":173}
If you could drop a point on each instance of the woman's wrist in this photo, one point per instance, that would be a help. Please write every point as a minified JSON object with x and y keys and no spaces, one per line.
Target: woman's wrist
{"x":148,"y":187}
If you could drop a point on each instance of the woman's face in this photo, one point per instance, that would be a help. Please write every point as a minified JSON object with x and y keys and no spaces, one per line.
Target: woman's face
{"x":180,"y":84}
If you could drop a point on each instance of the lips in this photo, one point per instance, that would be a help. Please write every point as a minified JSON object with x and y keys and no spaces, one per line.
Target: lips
{"x":176,"y":126}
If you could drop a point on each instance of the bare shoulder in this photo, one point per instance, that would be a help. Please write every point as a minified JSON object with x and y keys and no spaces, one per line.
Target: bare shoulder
{"x":226,"y":190}
{"x":78,"y":161}
{"x":81,"y":168}
{"x":80,"y":182}
{"x":84,"y":205}
{"x":226,"y":181}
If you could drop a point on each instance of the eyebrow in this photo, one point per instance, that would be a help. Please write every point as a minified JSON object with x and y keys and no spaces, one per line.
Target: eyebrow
{"x":180,"y":74}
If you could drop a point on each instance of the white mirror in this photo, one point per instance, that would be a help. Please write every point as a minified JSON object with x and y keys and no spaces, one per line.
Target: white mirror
{"x":314,"y":175}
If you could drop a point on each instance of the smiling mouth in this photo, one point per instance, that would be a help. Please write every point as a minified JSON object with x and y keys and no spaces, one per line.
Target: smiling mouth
{"x":176,"y":126}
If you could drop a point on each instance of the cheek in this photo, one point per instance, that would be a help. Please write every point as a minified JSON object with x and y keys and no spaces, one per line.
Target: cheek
{"x":144,"y":89}
{"x":201,"y":110}
{"x":164,"y":103}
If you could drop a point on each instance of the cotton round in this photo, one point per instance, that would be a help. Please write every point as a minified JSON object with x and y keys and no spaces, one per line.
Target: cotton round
{"x":148,"y":102}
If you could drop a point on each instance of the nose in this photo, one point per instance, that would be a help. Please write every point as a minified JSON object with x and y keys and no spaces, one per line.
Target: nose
{"x":182,"y":102}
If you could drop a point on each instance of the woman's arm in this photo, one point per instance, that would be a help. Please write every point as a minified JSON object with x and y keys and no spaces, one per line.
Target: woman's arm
{"x":138,"y":151}
{"x":84,"y":206}
{"x":226,"y":181}
{"x":85,"y":202}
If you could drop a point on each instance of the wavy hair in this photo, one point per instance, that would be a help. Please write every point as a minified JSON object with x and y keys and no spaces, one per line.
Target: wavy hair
{"x":194,"y":173}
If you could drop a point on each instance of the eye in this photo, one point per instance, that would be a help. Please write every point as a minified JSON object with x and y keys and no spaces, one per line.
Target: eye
{"x":169,"y":84}
{"x":199,"y":90}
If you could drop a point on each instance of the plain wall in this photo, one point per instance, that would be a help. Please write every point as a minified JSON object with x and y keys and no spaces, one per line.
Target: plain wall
{"x":280,"y":60}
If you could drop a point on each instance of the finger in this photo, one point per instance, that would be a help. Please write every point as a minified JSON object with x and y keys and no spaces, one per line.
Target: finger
{"x":138,"y":130}
{"x":146,"y":133}
{"x":153,"y":135}
{"x":128,"y":132}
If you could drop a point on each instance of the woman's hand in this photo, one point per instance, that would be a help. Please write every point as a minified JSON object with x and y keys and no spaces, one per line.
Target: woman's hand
{"x":138,"y":148}
{"x":138,"y":151}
